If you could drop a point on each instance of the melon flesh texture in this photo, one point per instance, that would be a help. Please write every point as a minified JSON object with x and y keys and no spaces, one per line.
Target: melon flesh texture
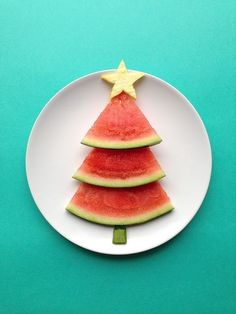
{"x":121,"y":206}
{"x":119,"y":168}
{"x":121,"y":125}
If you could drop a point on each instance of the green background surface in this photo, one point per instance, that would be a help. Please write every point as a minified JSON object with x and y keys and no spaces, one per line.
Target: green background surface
{"x":44,"y":46}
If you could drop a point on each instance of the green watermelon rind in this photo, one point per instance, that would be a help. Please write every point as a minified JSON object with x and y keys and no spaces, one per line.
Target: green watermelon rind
{"x":102,"y":143}
{"x":112,"y":221}
{"x":116,"y":183}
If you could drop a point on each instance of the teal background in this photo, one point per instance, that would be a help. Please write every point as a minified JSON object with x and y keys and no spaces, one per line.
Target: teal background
{"x":45,"y":45}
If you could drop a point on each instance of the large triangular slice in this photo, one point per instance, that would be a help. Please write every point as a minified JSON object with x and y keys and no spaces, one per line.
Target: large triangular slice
{"x":121,"y":125}
{"x":122,"y":206}
{"x":119,"y":168}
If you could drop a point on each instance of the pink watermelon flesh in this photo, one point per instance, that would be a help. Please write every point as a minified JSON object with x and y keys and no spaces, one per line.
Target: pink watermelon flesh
{"x":121,"y":125}
{"x":119,"y":168}
{"x":121,"y":206}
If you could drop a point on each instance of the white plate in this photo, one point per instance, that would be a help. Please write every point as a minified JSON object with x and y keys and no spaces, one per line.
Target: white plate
{"x":54,"y":152}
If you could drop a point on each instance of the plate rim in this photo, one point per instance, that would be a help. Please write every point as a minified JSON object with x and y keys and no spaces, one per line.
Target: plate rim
{"x":152,"y":246}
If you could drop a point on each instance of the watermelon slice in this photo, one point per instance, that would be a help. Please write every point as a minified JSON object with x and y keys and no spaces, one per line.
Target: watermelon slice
{"x":121,"y":206}
{"x":119,"y":168}
{"x":121,"y":125}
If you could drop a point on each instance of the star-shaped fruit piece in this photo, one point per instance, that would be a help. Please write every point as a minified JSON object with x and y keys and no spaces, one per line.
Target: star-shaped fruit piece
{"x":122,"y":80}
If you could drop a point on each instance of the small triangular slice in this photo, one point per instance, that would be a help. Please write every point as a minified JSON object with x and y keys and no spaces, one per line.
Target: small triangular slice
{"x":121,"y":125}
{"x":119,"y":168}
{"x":121,"y":206}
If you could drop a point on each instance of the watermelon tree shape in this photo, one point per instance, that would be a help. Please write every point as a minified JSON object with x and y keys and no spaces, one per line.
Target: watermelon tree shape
{"x":119,"y":178}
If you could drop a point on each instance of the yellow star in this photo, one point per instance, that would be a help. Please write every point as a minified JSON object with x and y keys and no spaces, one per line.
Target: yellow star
{"x":122,"y":80}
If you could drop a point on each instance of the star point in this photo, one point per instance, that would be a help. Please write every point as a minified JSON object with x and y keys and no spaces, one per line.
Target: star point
{"x":122,"y":80}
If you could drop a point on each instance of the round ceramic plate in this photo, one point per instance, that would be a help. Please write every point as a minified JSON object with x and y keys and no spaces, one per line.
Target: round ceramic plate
{"x":54,"y":153}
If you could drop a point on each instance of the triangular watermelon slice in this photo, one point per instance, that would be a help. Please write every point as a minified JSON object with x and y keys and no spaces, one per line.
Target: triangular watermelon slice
{"x":124,"y":206}
{"x":121,"y":125}
{"x":119,"y":168}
